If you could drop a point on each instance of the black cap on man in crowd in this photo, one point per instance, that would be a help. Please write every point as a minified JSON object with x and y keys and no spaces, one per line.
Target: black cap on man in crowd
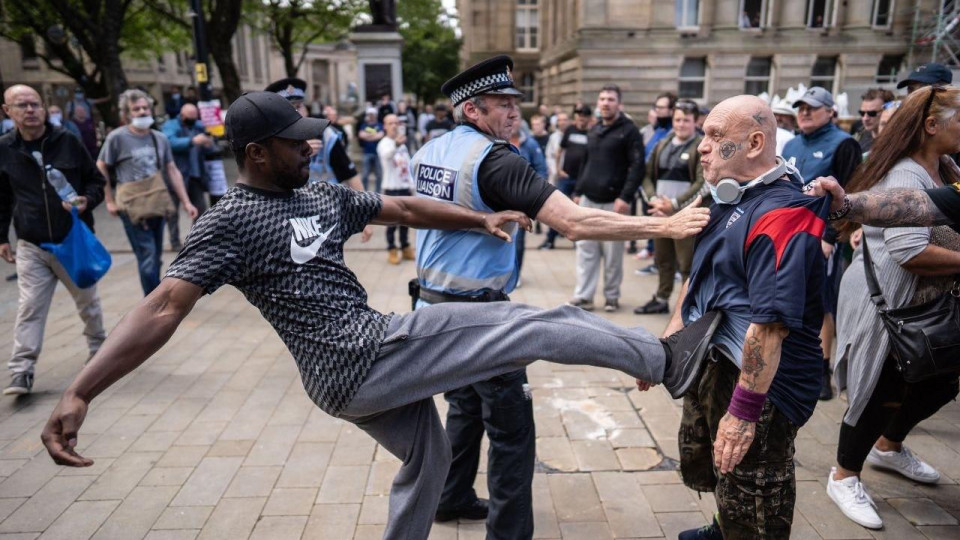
{"x":492,"y":76}
{"x":256,"y":116}
{"x":926,"y":74}
{"x":291,"y":88}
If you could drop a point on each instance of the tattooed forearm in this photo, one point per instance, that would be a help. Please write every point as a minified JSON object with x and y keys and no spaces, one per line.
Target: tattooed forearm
{"x":761,"y":356}
{"x":728,"y":149}
{"x":895,"y":208}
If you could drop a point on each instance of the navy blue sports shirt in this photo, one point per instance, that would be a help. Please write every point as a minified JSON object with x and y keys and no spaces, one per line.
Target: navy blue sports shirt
{"x":760,"y":261}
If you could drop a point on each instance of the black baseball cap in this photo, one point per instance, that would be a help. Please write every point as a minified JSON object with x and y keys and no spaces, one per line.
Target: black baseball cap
{"x":256,"y":116}
{"x":583,"y":110}
{"x":930,"y":73}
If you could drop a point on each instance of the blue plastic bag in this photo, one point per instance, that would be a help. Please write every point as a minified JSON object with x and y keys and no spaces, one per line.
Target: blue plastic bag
{"x":81,"y":254}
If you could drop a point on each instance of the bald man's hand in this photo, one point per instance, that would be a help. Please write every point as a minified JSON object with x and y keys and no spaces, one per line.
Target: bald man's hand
{"x":689,"y":221}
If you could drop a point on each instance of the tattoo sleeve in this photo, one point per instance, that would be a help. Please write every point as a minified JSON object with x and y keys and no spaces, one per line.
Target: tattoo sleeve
{"x":895,"y":208}
{"x":761,"y":355}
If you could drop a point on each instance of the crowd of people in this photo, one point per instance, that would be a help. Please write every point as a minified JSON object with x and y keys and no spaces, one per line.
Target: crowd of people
{"x":773,"y":304}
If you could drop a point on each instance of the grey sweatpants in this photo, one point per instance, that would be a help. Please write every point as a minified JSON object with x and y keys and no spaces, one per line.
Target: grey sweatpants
{"x":594,"y":256}
{"x":447,"y":346}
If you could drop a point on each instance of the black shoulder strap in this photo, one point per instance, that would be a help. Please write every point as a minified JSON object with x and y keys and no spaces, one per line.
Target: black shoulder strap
{"x":876,"y":295}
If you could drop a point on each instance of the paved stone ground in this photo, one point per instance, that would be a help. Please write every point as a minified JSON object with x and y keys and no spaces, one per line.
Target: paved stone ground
{"x":214,"y":437}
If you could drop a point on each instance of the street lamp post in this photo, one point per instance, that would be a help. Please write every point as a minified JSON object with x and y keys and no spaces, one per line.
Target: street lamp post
{"x":201,"y":66}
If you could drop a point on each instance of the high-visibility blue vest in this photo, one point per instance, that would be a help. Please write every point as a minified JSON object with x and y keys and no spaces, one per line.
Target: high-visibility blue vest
{"x":320,"y":169}
{"x":459,"y":262}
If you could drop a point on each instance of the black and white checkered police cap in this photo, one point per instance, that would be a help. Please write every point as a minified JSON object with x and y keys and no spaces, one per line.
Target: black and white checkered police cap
{"x":492,"y":76}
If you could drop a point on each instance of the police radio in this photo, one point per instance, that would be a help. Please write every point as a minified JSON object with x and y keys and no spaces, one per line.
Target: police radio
{"x":729,"y":191}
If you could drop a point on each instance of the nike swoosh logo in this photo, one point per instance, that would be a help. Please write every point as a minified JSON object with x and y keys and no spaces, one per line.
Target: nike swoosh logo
{"x":304,"y":254}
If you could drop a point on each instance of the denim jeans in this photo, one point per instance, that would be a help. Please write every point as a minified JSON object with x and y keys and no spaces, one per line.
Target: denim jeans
{"x":371,"y":164}
{"x":146,"y":239}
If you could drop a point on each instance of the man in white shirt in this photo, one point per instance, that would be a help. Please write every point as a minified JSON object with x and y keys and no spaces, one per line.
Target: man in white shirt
{"x":395,"y":164}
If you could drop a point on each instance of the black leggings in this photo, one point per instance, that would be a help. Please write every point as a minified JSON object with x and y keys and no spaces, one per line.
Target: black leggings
{"x":894,"y":409}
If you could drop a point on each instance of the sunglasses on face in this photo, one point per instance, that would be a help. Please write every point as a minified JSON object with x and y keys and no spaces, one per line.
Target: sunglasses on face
{"x":871,"y":114}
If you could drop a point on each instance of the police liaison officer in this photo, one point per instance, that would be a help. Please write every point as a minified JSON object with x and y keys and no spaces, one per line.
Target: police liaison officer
{"x":475,"y":167}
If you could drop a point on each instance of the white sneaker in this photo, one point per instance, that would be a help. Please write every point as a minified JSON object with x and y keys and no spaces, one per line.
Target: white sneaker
{"x":854,"y":502}
{"x":905,"y":463}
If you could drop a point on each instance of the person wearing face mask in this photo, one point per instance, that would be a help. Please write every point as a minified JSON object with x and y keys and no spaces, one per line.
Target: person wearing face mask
{"x":55,"y":117}
{"x":759,"y":263}
{"x":133,"y":153}
{"x":189,"y":143}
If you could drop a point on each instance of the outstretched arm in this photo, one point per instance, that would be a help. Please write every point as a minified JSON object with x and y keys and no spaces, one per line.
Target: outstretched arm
{"x":891,"y":208}
{"x":139,"y":334}
{"x":422,"y":213}
{"x":579,"y":223}
{"x":761,"y":358}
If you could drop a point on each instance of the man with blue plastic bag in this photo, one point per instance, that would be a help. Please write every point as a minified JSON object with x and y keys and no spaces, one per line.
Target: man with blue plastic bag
{"x":33,"y":158}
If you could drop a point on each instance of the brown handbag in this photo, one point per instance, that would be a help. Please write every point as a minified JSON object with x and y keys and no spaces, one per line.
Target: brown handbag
{"x":148,"y":197}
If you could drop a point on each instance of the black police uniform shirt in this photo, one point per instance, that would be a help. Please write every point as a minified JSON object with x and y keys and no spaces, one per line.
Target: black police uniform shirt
{"x":284,"y":252}
{"x":760,"y":261}
{"x":508,"y":182}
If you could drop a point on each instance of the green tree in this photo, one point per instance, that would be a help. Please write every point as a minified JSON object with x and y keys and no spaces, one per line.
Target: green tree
{"x":430,"y":47}
{"x":87,"y":40}
{"x":221,"y":19}
{"x":294,"y":24}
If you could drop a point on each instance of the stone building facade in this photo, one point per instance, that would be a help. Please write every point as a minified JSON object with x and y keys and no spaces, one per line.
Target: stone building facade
{"x":329,"y":69}
{"x":703,"y":49}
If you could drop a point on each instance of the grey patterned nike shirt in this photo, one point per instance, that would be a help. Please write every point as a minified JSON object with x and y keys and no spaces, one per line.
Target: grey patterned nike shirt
{"x":284,"y":252}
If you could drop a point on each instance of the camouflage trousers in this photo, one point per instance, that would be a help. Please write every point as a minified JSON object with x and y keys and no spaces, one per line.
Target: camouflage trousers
{"x":756,"y":500}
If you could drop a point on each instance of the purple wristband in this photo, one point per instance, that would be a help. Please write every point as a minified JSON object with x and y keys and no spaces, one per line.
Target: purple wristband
{"x":746,"y":404}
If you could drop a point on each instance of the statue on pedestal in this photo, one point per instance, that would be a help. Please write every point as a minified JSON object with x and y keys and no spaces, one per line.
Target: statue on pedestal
{"x":384,"y":14}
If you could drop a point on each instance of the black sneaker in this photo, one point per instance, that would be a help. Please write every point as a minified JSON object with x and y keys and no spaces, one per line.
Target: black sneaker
{"x":547,"y":244}
{"x":826,"y":390}
{"x":707,"y":532}
{"x":611,"y":305}
{"x":686,"y":350}
{"x":20,"y":384}
{"x":655,"y":305}
{"x":478,"y":509}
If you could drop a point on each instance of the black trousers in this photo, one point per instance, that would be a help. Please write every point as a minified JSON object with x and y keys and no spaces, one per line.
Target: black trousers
{"x":894,"y":409}
{"x":500,"y":407}
{"x":391,"y":230}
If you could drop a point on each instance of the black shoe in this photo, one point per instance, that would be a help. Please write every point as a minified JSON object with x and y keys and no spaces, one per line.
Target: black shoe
{"x":478,"y":509}
{"x":611,"y":305}
{"x":537,"y":229}
{"x":707,"y":532}
{"x":632,"y":248}
{"x":547,"y":244}
{"x":826,"y":390}
{"x":20,"y":384}
{"x":686,"y":350}
{"x":653,"y":306}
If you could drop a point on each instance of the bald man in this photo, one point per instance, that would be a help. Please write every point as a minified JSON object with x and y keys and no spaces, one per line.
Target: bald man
{"x":40,"y":216}
{"x":759,"y":262}
{"x":190,"y":144}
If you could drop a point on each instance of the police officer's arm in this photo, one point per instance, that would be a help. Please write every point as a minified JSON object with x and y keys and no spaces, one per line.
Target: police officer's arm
{"x":423,"y":213}
{"x":761,"y":358}
{"x":136,"y":337}
{"x":893,"y":208}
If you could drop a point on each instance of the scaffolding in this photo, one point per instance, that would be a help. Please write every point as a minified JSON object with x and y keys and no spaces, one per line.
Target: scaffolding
{"x":936,"y":33}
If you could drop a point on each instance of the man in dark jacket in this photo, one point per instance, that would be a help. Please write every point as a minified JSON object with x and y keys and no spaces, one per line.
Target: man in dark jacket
{"x":608,"y":180}
{"x":40,"y":216}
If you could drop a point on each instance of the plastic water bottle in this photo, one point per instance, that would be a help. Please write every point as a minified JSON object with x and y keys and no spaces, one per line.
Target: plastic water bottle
{"x":60,"y":183}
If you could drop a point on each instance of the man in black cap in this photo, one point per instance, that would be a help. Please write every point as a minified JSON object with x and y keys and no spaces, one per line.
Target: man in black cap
{"x":329,"y":161}
{"x":475,"y":167}
{"x":377,"y":371}
{"x":925,"y":75}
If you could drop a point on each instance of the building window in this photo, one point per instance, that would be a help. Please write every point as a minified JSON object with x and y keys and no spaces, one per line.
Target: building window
{"x":824,"y":72}
{"x":818,"y":13}
{"x":28,"y":53}
{"x":889,"y":68}
{"x":758,"y":75}
{"x":687,"y":13}
{"x":528,"y":25}
{"x":161,"y":64}
{"x":693,"y":74}
{"x":528,"y":85}
{"x":753,"y":13}
{"x":882,"y":13}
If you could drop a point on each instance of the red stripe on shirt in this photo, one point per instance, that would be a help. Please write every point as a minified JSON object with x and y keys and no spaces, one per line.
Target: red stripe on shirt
{"x":782,"y":224}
